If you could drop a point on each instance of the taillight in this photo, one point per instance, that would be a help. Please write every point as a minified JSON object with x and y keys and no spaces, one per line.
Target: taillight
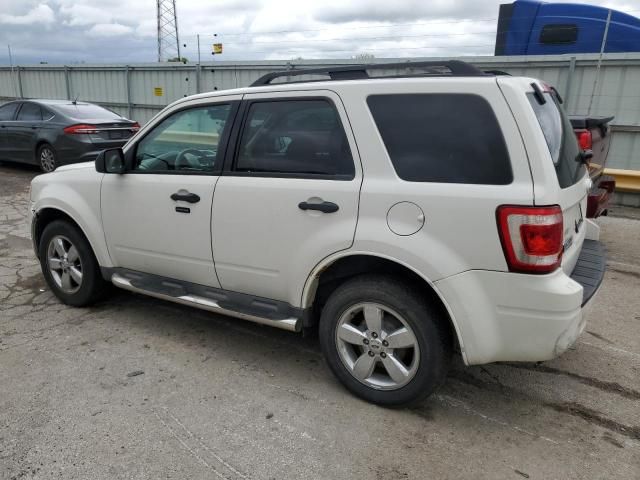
{"x":531,"y":237}
{"x":584,"y":139}
{"x":135,"y":127}
{"x":81,"y":128}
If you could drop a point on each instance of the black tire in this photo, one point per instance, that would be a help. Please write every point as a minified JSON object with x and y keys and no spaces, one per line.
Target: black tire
{"x":47,"y":165}
{"x":92,"y":286}
{"x":429,"y":327}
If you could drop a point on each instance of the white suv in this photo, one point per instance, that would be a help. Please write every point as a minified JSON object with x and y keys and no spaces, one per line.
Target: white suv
{"x":404,"y":217}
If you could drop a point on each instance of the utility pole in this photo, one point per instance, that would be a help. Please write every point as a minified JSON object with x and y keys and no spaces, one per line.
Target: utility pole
{"x":198,"y":49}
{"x":168,"y":39}
{"x":13,"y":80}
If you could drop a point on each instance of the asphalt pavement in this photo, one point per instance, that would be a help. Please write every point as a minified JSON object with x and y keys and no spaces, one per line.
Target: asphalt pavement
{"x":137,"y":388}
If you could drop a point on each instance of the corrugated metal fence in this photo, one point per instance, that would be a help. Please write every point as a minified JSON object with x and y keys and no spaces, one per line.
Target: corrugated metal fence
{"x":140,"y":91}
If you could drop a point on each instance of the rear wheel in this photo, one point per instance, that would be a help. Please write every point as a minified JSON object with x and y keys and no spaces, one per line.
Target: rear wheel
{"x":69,"y":265}
{"x":47,"y":158}
{"x":384,"y":341}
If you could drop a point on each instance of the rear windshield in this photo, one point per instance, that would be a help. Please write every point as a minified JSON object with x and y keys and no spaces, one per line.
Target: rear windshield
{"x":86,"y":112}
{"x":560,"y":138}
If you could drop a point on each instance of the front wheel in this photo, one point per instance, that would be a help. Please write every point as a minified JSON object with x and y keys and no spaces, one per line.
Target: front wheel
{"x":384,"y":341}
{"x":47,"y":158}
{"x":69,"y":265}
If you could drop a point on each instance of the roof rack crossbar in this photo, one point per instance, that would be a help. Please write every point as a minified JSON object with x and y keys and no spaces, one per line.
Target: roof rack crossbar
{"x":457,"y":68}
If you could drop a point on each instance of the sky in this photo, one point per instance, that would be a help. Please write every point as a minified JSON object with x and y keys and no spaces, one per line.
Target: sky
{"x":124,"y":31}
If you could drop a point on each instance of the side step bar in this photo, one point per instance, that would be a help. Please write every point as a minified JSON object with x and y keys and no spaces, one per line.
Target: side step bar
{"x":291,"y":324}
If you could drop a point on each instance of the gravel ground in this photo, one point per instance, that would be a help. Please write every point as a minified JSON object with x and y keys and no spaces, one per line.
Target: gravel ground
{"x":139,"y":388}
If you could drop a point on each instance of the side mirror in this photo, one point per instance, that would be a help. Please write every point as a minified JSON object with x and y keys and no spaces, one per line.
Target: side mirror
{"x":111,"y":161}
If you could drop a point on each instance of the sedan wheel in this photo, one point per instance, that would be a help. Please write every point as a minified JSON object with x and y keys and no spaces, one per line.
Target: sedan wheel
{"x":47,"y":159}
{"x":64,"y":264}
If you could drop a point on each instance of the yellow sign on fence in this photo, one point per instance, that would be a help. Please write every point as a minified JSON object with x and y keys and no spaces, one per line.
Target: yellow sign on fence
{"x":157,"y":91}
{"x":217,"y":48}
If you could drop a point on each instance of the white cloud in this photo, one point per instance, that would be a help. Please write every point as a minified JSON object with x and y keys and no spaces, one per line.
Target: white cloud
{"x":125,"y":30}
{"x":79,"y":14}
{"x":109,"y":30}
{"x":42,"y":14}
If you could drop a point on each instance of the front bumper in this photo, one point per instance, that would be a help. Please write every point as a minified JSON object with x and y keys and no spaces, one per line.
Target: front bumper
{"x":502,"y":316}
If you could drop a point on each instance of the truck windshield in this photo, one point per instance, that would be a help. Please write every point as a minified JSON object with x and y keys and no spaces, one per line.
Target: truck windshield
{"x":560,"y":138}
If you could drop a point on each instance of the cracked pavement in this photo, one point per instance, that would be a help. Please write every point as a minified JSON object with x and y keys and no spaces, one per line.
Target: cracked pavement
{"x":137,"y":388}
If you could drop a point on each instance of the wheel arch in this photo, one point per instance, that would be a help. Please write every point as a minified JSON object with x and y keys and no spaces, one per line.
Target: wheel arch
{"x":44,"y":216}
{"x":333,"y":271}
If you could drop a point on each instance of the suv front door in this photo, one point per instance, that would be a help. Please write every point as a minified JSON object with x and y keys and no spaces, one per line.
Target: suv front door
{"x":293,"y":159}
{"x":157,"y":216}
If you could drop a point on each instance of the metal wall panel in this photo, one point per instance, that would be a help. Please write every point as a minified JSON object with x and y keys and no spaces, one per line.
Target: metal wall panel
{"x":617,"y":92}
{"x":45,"y":83}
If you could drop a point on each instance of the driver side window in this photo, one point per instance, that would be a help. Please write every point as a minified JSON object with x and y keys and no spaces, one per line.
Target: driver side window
{"x":186,"y":141}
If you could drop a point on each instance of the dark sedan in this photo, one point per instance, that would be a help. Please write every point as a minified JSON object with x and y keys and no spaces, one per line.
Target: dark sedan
{"x":50,"y":133}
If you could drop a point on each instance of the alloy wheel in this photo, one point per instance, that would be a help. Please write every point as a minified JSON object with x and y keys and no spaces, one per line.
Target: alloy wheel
{"x":377,"y":346}
{"x":47,"y":159}
{"x":64,"y":264}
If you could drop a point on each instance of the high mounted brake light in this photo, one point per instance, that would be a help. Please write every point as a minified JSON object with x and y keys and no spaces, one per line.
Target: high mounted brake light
{"x":531,"y":237}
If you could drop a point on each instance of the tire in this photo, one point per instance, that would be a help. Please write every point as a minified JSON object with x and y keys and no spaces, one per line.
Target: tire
{"x":349,"y":312}
{"x":61,"y":272}
{"x":47,"y":158}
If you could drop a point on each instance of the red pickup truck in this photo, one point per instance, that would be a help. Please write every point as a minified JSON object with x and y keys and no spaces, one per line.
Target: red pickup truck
{"x":594,"y":135}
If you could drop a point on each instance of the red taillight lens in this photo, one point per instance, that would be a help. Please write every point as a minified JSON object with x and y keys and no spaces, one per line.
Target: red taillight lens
{"x":81,"y":128}
{"x":531,"y":237}
{"x":135,"y":127}
{"x":584,"y":139}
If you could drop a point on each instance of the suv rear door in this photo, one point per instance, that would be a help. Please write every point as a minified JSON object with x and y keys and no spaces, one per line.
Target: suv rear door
{"x":559,"y":176}
{"x":288,"y":196}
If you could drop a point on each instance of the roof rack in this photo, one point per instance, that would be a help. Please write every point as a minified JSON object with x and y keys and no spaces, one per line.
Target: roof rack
{"x":456,"y":68}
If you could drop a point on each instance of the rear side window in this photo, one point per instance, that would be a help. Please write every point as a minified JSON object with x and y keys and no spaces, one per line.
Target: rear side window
{"x":30,"y":112}
{"x":446,"y":138}
{"x":560,"y":138}
{"x":295,"y":138}
{"x":8,"y":111}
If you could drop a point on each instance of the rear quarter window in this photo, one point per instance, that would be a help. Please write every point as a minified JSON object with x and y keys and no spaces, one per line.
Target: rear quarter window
{"x":446,"y":138}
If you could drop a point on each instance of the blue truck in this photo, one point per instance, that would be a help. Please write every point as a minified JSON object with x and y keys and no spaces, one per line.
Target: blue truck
{"x":530,"y":27}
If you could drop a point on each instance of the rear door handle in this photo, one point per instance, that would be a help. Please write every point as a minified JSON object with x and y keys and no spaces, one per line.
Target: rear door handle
{"x":325,"y":207}
{"x":185,"y":197}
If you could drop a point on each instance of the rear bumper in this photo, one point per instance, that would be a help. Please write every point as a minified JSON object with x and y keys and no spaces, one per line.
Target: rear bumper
{"x":504,"y":316}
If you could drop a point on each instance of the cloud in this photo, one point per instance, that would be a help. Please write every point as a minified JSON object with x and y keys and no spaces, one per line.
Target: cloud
{"x":42,"y":14}
{"x":109,"y":30}
{"x":79,"y":14}
{"x":334,"y":11}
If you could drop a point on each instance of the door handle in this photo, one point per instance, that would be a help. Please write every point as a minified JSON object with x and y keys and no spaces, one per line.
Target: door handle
{"x":33,"y":127}
{"x":185,"y":197}
{"x":324,"y":207}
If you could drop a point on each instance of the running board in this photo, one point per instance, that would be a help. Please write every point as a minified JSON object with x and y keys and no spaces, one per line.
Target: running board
{"x":179,"y":295}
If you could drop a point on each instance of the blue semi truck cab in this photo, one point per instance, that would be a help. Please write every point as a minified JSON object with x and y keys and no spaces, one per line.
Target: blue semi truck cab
{"x":529,"y":27}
